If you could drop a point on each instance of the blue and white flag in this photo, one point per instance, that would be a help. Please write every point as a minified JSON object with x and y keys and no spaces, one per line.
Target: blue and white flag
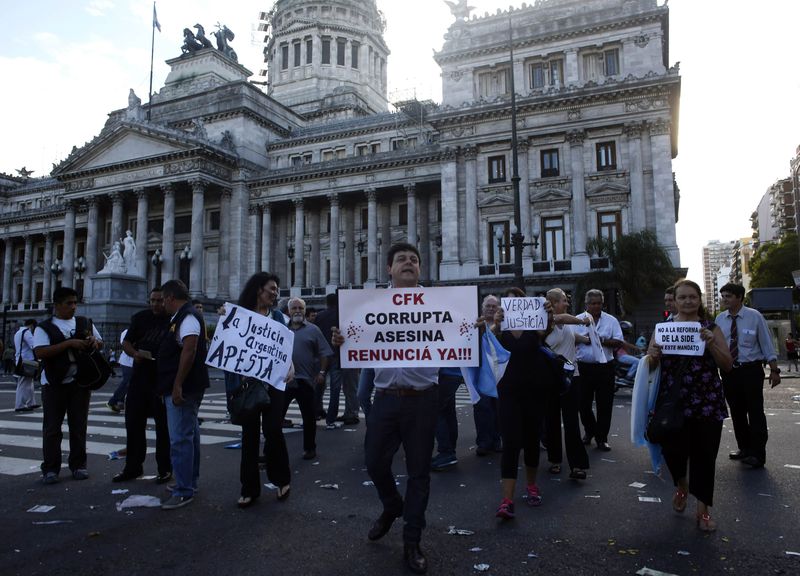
{"x":483,"y":379}
{"x":156,"y":23}
{"x":643,"y":401}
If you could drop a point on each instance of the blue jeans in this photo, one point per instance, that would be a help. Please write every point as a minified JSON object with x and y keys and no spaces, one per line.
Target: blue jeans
{"x":122,"y":390}
{"x":184,"y":442}
{"x":487,"y":430}
{"x":366,"y":382}
{"x":632,"y":362}
{"x":447,"y":422}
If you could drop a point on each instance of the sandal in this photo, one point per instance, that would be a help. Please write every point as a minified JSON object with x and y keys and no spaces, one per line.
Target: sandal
{"x":577,"y":474}
{"x":283,"y":492}
{"x":705,"y":523}
{"x":245,"y":501}
{"x":555,"y":469}
{"x":679,"y":501}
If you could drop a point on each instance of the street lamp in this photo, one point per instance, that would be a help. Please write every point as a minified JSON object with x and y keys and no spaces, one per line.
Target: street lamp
{"x":56,"y":268}
{"x":290,"y":252}
{"x":80,"y":268}
{"x":157,"y":260}
{"x":186,"y":259}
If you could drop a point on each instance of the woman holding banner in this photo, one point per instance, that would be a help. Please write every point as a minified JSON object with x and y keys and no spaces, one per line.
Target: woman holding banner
{"x":259,"y":295}
{"x":696,"y":445}
{"x":521,"y":396}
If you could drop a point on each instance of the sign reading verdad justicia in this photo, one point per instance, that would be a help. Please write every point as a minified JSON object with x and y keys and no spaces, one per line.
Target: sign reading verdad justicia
{"x":404,"y":327}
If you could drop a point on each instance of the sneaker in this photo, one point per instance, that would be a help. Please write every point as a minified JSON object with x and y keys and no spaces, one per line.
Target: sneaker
{"x":506,"y":509}
{"x":163,"y":478}
{"x":330,"y":427}
{"x":80,"y":474}
{"x":50,"y":478}
{"x":442,"y":461}
{"x":113,"y":407}
{"x":534,"y":498}
{"x":176,"y":501}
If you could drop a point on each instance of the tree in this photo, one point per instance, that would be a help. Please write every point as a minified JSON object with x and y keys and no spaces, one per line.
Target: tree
{"x":772,"y":263}
{"x":639,"y":267}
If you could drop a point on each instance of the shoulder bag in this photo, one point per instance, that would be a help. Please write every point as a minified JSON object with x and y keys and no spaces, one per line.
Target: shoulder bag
{"x":247,"y":401}
{"x":93,"y":369}
{"x":666,"y":420}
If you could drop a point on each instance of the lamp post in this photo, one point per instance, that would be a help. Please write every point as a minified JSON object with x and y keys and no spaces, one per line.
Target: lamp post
{"x":80,"y":269}
{"x":186,"y":260}
{"x":157,"y":260}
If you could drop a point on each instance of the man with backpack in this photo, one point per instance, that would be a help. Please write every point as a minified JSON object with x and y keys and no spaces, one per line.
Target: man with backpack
{"x":57,"y":343}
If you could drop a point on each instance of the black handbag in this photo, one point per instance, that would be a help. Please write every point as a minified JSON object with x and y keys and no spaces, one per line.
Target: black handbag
{"x":666,"y":419}
{"x":247,"y":401}
{"x":93,"y":369}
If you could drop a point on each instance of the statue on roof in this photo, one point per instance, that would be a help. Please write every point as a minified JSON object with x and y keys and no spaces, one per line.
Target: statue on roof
{"x":134,"y":110}
{"x":460,"y":9}
{"x":201,"y":36}
{"x":190,"y":43}
{"x":24,"y":172}
{"x":225,"y":35}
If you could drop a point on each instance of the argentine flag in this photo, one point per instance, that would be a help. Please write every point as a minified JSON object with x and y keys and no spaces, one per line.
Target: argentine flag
{"x":483,"y":379}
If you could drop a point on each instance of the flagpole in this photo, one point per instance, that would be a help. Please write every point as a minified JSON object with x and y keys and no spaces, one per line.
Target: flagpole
{"x":152,"y":49}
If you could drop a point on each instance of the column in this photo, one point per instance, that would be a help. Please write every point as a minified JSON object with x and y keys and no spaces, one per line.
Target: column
{"x":266,"y":237}
{"x":47,"y":287}
{"x":314,"y":257}
{"x":90,"y":257}
{"x":471,"y":197}
{"x":450,"y":232}
{"x":168,"y":234}
{"x":333,"y":240}
{"x":240,"y":198}
{"x":196,"y":246}
{"x":425,"y":238}
{"x":638,"y":215}
{"x":258,"y":233}
{"x":579,"y":229}
{"x":223,"y":254}
{"x":142,"y":216}
{"x":385,"y":227}
{"x":411,"y":199}
{"x":435,"y":242}
{"x":69,"y":246}
{"x":8,"y":264}
{"x":27,"y":269}
{"x":664,"y":187}
{"x":117,"y":232}
{"x":372,"y":236}
{"x":524,"y":198}
{"x":299,"y":237}
{"x":348,"y":217}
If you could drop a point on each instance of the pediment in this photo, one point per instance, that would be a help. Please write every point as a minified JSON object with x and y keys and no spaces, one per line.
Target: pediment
{"x":127,"y":147}
{"x":606,"y":189}
{"x":549,"y":194}
{"x":495,"y":199}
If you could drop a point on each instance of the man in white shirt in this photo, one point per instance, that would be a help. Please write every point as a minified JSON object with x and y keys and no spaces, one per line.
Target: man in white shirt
{"x":56,"y":342}
{"x":596,"y":377}
{"x":23,"y":345}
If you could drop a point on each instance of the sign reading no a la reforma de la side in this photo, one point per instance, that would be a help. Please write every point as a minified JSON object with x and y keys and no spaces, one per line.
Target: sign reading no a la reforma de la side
{"x":251,"y":345}
{"x":405,"y":327}
{"x":682,"y":338}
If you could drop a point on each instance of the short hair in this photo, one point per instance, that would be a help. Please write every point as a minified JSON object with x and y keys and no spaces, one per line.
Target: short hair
{"x":669,"y":290}
{"x":295,"y":299}
{"x":155,"y":289}
{"x":401,"y":247}
{"x":485,"y":298}
{"x":196,"y":301}
{"x":176,"y":289}
{"x":735,"y":289}
{"x":61,"y":293}
{"x":332,"y":300}
{"x":594,"y":293}
{"x":310,"y":310}
{"x":555,"y":294}
{"x":30,"y":322}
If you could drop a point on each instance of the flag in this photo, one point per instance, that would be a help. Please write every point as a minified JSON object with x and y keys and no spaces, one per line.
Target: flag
{"x":155,"y":18}
{"x":483,"y":379}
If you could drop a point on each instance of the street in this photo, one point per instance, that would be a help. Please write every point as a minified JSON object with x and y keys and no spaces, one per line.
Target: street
{"x":600,"y":526}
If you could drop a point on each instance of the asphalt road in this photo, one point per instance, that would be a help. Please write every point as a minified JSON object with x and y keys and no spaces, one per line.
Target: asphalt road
{"x":599,"y":526}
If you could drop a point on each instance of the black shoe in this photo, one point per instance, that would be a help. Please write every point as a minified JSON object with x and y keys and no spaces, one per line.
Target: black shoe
{"x":309,"y":454}
{"x":753,"y":461}
{"x":415,"y":559}
{"x":287,"y":423}
{"x":25,"y":409}
{"x":163,"y":478}
{"x":350,"y":421}
{"x":587,"y":439}
{"x":604,"y":446}
{"x":481,"y":451}
{"x":737,"y":455}
{"x":124,"y":476}
{"x":382,"y":525}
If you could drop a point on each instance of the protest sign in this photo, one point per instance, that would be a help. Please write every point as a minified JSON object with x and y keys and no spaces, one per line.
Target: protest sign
{"x":523,"y":314}
{"x":405,"y":327}
{"x":681,"y":338}
{"x":250,"y":344}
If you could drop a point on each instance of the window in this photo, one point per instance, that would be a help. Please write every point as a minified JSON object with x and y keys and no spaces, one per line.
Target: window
{"x":553,"y":238}
{"x":341,"y":45}
{"x":402,"y":215}
{"x":40,"y":253}
{"x":499,"y":237}
{"x":493,"y":83}
{"x":364,"y":218}
{"x":296,"y":160}
{"x":155,"y":226}
{"x":20,"y":256}
{"x":375,"y":147}
{"x":296,"y":47}
{"x":285,"y":57}
{"x":550,"y":163}
{"x":183,"y":224}
{"x":547,"y":73}
{"x":309,"y":51}
{"x":327,"y":155}
{"x":39,"y":290}
{"x":80,"y":248}
{"x":606,"y":156}
{"x":599,"y":64}
{"x":307,"y":158}
{"x":213,"y":220}
{"x":362,"y":149}
{"x":611,"y":62}
{"x":341,"y":153}
{"x":355,"y":47}
{"x":497,"y":169}
{"x":326,"y":50}
{"x":609,"y":225}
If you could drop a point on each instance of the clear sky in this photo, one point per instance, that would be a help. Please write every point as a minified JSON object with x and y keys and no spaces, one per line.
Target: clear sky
{"x":66,"y":65}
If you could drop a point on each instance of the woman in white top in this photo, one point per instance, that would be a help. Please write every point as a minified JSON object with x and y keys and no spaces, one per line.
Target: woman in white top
{"x":563,"y":404}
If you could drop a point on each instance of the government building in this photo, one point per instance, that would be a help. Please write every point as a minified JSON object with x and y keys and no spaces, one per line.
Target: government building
{"x":315,"y":175}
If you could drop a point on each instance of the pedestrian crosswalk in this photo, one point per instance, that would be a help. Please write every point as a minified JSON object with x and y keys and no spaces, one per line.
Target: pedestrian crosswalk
{"x":21,"y":433}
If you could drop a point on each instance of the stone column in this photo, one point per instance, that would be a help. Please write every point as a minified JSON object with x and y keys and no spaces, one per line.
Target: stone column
{"x":117,"y":206}
{"x":196,"y":246}
{"x":638,"y":214}
{"x":385,"y":227}
{"x":223,"y":254}
{"x":333,"y":240}
{"x":471,"y":197}
{"x":168,"y":234}
{"x":299,"y":237}
{"x":27,"y":269}
{"x":348,"y":220}
{"x":69,"y":246}
{"x":47,"y":287}
{"x":579,"y":228}
{"x":8,"y":264}
{"x":664,"y":187}
{"x":314,"y":257}
{"x":258,"y":235}
{"x":433,"y":247}
{"x":450,"y":231}
{"x":142,"y":218}
{"x":372,"y":236}
{"x":266,"y":237}
{"x":425,"y":238}
{"x":411,"y":199}
{"x":240,"y":198}
{"x":525,"y":199}
{"x":92,"y":235}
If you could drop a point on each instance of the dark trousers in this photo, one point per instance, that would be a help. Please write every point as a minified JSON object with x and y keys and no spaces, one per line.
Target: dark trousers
{"x":410,"y":421}
{"x":59,"y":400}
{"x":695,"y":448}
{"x":142,"y":402}
{"x":274,"y":447}
{"x":564,"y":407}
{"x":597,"y":385}
{"x":487,"y":427}
{"x":744,"y":391}
{"x":447,"y":421}
{"x":303,"y":392}
{"x":521,"y":413}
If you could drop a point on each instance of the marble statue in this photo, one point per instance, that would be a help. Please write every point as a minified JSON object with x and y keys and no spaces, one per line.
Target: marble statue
{"x":115,"y":263}
{"x":460,"y":9}
{"x":129,"y":253}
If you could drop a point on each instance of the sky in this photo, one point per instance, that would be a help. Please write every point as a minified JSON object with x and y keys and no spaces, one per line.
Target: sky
{"x":66,"y":65}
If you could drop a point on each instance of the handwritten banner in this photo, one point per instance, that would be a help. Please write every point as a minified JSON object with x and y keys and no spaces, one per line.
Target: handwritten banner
{"x":681,"y":338}
{"x":523,"y":314}
{"x":250,"y":344}
{"x":409,"y":327}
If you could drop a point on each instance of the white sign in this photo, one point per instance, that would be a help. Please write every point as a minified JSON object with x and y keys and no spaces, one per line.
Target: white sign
{"x":681,"y":338}
{"x":523,"y":314}
{"x":409,"y":327}
{"x":250,"y":344}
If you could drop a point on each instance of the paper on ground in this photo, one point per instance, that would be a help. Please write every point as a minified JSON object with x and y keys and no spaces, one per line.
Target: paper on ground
{"x":139,"y":501}
{"x":41,"y":508}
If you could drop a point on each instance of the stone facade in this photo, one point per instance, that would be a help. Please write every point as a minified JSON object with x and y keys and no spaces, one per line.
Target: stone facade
{"x":316,"y":179}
